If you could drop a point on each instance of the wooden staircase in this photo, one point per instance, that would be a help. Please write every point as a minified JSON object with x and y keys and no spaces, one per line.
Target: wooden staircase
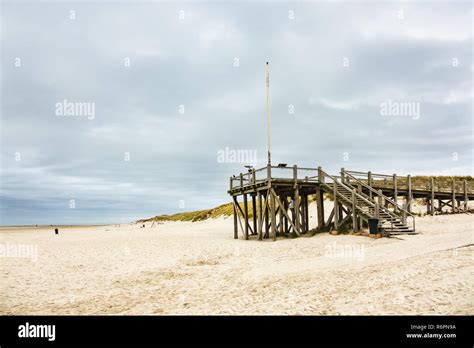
{"x":350,"y":195}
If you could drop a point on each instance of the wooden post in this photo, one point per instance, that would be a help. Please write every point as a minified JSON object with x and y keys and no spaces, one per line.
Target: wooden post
{"x":306,"y":206}
{"x":260,"y":216}
{"x":404,"y":214}
{"x":253,"y":176}
{"x":336,"y":206}
{"x":302,"y":213}
{"x":453,"y":189}
{"x":361,"y":221}
{"x":343,"y":177}
{"x":395,"y":193}
{"x":246,"y":217}
{"x":354,"y":213}
{"x":273,"y":216}
{"x":409,"y":195}
{"x":281,"y":217}
{"x":432,"y":198}
{"x":267,"y":207}
{"x":320,"y":207}
{"x":236,"y":227}
{"x":377,"y":211}
{"x":369,"y":182}
{"x":465,"y":196}
{"x":241,"y":180}
{"x":380,"y":198}
{"x":285,"y":207}
{"x":296,"y":202}
{"x":254,"y":213}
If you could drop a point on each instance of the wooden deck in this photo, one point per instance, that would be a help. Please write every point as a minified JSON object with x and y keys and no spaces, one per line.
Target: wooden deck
{"x":280,"y":200}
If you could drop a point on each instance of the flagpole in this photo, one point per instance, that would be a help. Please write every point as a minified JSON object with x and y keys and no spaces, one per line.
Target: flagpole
{"x":267,"y":82}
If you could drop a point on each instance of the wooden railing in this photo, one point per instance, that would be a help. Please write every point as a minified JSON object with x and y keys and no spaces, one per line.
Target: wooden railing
{"x":274,"y":173}
{"x":377,"y":195}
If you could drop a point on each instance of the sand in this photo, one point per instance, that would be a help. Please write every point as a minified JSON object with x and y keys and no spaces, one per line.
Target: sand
{"x":198,"y":268}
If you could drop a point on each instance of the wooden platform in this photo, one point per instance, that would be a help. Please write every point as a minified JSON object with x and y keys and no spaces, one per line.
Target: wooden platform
{"x":280,"y":200}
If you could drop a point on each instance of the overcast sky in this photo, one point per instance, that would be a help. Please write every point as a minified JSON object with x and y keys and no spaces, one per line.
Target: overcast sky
{"x":172,"y":84}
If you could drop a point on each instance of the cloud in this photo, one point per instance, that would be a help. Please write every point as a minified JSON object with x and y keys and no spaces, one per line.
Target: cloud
{"x":169,"y":95}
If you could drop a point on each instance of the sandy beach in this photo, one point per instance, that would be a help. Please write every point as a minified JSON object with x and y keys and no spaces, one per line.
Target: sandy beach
{"x":198,"y":268}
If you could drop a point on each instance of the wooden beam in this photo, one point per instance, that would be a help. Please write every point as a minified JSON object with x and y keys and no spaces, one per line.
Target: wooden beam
{"x":254,"y":212}
{"x":260,"y":215}
{"x":466,"y":199}
{"x":453,"y":189}
{"x":246,"y":217}
{"x":296,"y":199}
{"x":236,"y":227}
{"x":369,"y":182}
{"x":281,"y":218}
{"x":267,"y":208}
{"x":395,"y":192}
{"x":409,"y":194}
{"x":284,"y":211}
{"x":273,"y":216}
{"x":336,"y":207}
{"x":320,"y":207}
{"x":354,"y":213}
{"x":432,"y":198}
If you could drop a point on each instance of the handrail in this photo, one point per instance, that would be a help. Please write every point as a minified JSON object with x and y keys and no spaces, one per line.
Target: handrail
{"x":379,"y":194}
{"x":394,"y":203}
{"x":347,"y":188}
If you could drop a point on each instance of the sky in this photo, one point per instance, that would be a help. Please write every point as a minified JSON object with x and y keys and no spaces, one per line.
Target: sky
{"x":112,"y":112}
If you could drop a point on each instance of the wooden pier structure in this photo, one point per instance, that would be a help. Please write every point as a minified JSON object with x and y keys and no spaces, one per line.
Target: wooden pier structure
{"x":279,"y":198}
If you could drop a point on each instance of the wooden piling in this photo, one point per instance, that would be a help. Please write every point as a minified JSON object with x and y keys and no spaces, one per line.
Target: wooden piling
{"x":453,"y":199}
{"x":354,"y":213}
{"x":254,"y":213}
{"x":296,"y":202}
{"x":432,"y":198}
{"x":466,"y":199}
{"x":246,"y":217}
{"x":409,"y":194}
{"x":260,"y":215}
{"x":336,"y":206}
{"x":395,"y":192}
{"x":273,"y":216}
